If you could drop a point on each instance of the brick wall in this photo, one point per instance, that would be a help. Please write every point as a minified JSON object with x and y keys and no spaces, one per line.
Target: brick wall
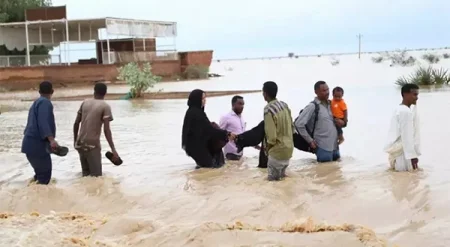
{"x":202,"y":58}
{"x":24,"y":78}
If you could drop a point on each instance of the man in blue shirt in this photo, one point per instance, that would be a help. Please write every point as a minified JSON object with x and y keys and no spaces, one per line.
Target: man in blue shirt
{"x":39,"y":134}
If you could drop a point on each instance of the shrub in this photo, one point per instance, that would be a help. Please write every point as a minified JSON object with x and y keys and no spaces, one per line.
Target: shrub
{"x":402,"y":81}
{"x":446,"y":56}
{"x":291,"y":54}
{"x":431,"y":58}
{"x":401,"y":58}
{"x":139,"y":79}
{"x":377,"y":59}
{"x":425,"y":77}
{"x":196,"y":72}
{"x":441,"y":76}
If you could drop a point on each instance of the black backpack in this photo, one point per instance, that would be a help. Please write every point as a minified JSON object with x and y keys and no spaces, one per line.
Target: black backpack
{"x":299,"y":141}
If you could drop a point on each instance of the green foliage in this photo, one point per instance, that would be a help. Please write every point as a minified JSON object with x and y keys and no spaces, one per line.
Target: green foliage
{"x":431,"y":58}
{"x":426,"y":77}
{"x":139,"y":79}
{"x":441,"y":76}
{"x":196,"y":72}
{"x":402,"y":81}
{"x":14,"y":11}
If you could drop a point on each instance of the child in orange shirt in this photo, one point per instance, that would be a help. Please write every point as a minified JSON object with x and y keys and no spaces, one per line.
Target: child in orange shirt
{"x":339,"y":110}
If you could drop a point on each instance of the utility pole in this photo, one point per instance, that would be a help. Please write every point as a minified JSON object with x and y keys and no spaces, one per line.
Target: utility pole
{"x":359,"y":42}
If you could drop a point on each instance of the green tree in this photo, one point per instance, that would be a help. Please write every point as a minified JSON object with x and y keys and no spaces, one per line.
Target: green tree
{"x":139,"y":79}
{"x":14,"y":11}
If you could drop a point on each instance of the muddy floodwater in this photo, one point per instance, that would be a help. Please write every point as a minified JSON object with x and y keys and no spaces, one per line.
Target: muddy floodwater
{"x":156,"y":198}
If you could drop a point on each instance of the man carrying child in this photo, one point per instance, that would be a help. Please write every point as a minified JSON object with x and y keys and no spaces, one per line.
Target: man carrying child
{"x":325,"y":138}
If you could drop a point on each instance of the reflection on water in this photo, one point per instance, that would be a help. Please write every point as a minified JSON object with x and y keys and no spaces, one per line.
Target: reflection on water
{"x":156,"y":198}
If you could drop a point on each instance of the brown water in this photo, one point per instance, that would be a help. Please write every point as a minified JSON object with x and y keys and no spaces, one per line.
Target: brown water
{"x":156,"y":198}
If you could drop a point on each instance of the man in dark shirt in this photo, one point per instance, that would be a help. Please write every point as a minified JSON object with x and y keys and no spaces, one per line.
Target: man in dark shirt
{"x":39,"y":134}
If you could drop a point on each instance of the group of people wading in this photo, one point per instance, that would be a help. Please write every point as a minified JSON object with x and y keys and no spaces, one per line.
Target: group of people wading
{"x":317,"y":129}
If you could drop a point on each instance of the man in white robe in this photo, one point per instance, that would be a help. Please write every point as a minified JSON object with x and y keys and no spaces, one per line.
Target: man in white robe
{"x":403,"y":145}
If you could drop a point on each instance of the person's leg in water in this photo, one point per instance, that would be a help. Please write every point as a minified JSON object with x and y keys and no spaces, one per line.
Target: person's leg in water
{"x":233,"y":157}
{"x":218,"y":159}
{"x":93,"y":160}
{"x":42,"y":166}
{"x":262,"y":156}
{"x":323,"y":155}
{"x":203,"y":159}
{"x":276,"y":169}
{"x":340,"y":133}
{"x":84,"y":164}
{"x":253,"y":138}
{"x":336,"y":154}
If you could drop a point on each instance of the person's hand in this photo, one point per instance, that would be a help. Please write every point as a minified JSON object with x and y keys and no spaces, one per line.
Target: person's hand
{"x":115,"y":155}
{"x":313,"y":145}
{"x":231,"y":137}
{"x":414,"y":163}
{"x":54,"y":145}
{"x":339,"y":122}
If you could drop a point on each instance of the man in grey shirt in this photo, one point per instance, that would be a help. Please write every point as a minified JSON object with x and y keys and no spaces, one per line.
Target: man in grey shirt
{"x":325,"y":138}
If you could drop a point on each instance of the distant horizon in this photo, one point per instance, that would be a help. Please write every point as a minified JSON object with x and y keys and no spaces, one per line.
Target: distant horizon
{"x":286,"y":55}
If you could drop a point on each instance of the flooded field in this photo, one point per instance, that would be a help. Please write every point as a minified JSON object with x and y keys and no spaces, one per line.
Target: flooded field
{"x":156,"y":198}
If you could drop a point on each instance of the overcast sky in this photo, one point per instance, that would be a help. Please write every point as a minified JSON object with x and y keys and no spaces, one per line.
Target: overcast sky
{"x":239,"y":28}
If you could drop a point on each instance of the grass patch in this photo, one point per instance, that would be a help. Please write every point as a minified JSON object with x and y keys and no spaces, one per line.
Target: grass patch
{"x":426,"y":77}
{"x":431,"y":58}
{"x":401,"y":58}
{"x":379,"y":59}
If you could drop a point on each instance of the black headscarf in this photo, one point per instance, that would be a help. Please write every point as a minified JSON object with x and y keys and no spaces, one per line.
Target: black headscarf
{"x":195,"y":99}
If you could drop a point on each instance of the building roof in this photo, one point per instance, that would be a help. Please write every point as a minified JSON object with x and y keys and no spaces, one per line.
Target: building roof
{"x":52,"y":32}
{"x":95,"y":23}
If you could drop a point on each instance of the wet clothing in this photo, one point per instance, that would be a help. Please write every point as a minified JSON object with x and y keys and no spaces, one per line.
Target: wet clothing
{"x":91,"y":162}
{"x":403,"y":142}
{"x":276,"y":169}
{"x":202,"y":141}
{"x":36,"y":146}
{"x":278,"y":128}
{"x":42,"y":166}
{"x":326,"y":156}
{"x":93,"y":113}
{"x":234,"y":157}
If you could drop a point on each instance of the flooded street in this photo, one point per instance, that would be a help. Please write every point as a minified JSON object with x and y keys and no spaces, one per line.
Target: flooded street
{"x":156,"y":198}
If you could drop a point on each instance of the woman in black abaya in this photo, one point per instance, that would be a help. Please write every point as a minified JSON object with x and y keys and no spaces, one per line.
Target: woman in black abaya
{"x":202,"y":140}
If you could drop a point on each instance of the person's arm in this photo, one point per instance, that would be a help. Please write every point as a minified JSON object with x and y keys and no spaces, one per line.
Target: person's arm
{"x":76,"y":125}
{"x":44,"y":111}
{"x":223,"y":122}
{"x":344,"y":109}
{"x":270,"y":129}
{"x":407,"y":134}
{"x":107,"y":118}
{"x":303,"y":120}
